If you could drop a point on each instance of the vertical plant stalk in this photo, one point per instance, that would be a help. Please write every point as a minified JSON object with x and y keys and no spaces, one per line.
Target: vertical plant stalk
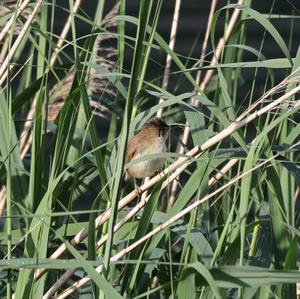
{"x":167,"y":67}
{"x":9,"y":195}
{"x":19,"y":10}
{"x":4,"y":50}
{"x":205,"y":42}
{"x":26,"y":137}
{"x":171,"y":46}
{"x":5,"y":65}
{"x":64,"y":33}
{"x":207,"y":77}
{"x":144,"y":13}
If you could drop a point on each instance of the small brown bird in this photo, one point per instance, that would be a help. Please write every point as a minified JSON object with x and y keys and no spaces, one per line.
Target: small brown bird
{"x":150,"y":140}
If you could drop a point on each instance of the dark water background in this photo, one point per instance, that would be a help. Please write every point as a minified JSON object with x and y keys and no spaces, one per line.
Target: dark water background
{"x":192,"y":26}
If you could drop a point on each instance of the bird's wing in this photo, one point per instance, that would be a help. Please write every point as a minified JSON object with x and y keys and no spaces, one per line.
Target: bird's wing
{"x":131,"y":150}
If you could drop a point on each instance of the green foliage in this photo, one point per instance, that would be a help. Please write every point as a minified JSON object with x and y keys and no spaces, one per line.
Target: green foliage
{"x":241,"y":243}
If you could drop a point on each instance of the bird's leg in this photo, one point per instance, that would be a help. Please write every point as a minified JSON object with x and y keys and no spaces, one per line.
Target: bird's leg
{"x":137,"y":189}
{"x":159,"y":172}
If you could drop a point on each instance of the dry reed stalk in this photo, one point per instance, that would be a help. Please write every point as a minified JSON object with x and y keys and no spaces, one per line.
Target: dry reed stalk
{"x":25,"y":12}
{"x":7,"y":26}
{"x":64,"y":33}
{"x":13,"y":49}
{"x":167,"y":67}
{"x":75,"y":286}
{"x":177,"y":167}
{"x":206,"y":37}
{"x":171,"y":46}
{"x":221,"y":44}
{"x":207,"y":77}
{"x":50,"y":293}
{"x":4,"y":49}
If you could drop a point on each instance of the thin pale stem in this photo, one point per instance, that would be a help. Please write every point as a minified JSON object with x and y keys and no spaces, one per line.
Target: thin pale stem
{"x":64,"y":33}
{"x":171,"y":45}
{"x":206,"y":79}
{"x":4,"y":50}
{"x":167,"y":66}
{"x":13,"y":49}
{"x":206,"y":37}
{"x":9,"y":23}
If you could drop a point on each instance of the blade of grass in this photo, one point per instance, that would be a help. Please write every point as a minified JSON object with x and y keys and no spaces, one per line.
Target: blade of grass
{"x":145,"y":6}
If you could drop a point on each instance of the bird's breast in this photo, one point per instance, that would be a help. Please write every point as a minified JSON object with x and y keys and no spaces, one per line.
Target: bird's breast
{"x":151,"y":166}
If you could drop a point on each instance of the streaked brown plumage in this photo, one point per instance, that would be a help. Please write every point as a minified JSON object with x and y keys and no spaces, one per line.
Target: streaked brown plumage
{"x":150,"y":140}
